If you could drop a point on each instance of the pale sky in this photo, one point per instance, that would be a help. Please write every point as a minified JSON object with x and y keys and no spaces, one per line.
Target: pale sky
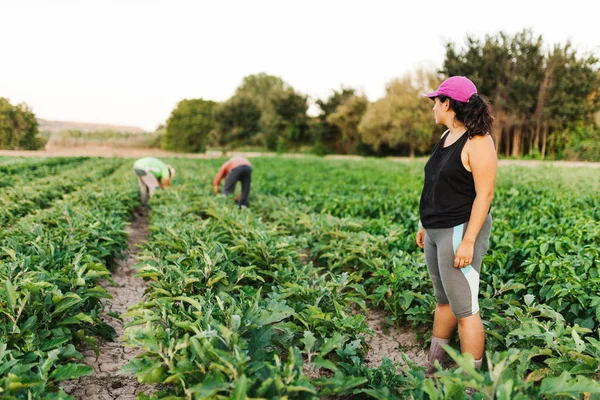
{"x":129,"y":62}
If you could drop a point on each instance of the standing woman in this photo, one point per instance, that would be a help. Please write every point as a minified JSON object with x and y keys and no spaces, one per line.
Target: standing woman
{"x":455,"y":220}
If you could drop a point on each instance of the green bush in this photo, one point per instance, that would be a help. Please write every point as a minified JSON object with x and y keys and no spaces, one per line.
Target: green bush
{"x":18,"y":127}
{"x":189,"y":125}
{"x":583,"y":144}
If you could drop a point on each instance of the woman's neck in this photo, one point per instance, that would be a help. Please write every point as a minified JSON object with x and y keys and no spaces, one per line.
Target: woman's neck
{"x":456,"y":129}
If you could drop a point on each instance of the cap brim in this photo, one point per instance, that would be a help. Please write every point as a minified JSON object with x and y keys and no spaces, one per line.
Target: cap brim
{"x":432,"y":94}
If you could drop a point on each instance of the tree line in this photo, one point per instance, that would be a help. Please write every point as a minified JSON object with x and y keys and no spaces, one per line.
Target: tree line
{"x":546,"y":103}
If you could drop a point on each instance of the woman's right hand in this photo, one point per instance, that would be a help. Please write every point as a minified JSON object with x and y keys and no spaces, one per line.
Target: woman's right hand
{"x":421,"y":238}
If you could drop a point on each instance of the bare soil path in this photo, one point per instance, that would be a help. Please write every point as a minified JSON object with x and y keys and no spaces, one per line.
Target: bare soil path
{"x":388,"y":342}
{"x":107,"y":151}
{"x":391,"y":341}
{"x":107,"y":383}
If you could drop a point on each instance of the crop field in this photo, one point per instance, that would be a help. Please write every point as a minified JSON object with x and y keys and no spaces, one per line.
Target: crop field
{"x":276,"y":301}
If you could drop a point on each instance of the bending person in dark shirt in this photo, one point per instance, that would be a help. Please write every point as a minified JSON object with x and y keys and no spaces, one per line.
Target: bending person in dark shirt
{"x":234,"y":170}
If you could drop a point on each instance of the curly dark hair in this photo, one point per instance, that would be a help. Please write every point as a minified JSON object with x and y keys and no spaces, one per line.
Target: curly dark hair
{"x":476,"y":114}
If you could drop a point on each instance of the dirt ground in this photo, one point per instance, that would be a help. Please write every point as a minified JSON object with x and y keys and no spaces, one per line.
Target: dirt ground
{"x":390,"y":342}
{"x":107,"y":383}
{"x":107,"y":151}
{"x":137,"y":153}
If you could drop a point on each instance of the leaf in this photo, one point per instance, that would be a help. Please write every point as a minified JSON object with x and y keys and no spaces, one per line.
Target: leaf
{"x":7,"y":365}
{"x":53,"y":343}
{"x":114,"y":314}
{"x":71,"y":371}
{"x":559,"y":249}
{"x":565,"y":383}
{"x":579,"y":344}
{"x":28,"y":325}
{"x":465,"y":361}
{"x":69,"y":351}
{"x":275,"y":311}
{"x":260,"y":339}
{"x":339,"y":383}
{"x":323,"y":363}
{"x":66,"y":302}
{"x":189,"y":300}
{"x":221,"y":275}
{"x":11,"y":253}
{"x":379,"y":394}
{"x":76,"y":319}
{"x":350,"y":349}
{"x":296,"y":388}
{"x":241,"y":387}
{"x":209,"y":387}
{"x":529,"y":298}
{"x":49,"y":362}
{"x":308,"y":340}
{"x":10,"y":295}
{"x":335,"y":342}
{"x":544,"y":248}
{"x":537,"y":375}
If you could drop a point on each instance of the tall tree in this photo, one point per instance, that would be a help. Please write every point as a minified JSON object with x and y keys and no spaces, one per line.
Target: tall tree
{"x":574,"y":95}
{"x":533,"y":94}
{"x":189,"y":125}
{"x":488,"y":64}
{"x":238,"y":121}
{"x":346,"y":118}
{"x":264,"y":89}
{"x":552,"y":62}
{"x":327,"y":136}
{"x":283,"y":120}
{"x":290,"y":125}
{"x":18,"y":127}
{"x":402,"y":117}
{"x":524,"y":86}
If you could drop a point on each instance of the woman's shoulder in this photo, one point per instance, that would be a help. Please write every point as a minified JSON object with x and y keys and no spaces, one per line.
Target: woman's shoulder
{"x":481,"y":139}
{"x":481,"y":145}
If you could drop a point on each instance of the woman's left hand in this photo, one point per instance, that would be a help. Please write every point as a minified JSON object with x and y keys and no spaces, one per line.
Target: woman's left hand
{"x":464,"y":255}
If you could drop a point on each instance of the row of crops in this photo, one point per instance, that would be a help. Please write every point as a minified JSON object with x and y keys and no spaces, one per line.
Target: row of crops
{"x":246,"y":303}
{"x":61,"y":230}
{"x":270,"y":302}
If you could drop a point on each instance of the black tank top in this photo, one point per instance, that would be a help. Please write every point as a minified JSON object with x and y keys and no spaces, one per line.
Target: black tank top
{"x":449,"y":189}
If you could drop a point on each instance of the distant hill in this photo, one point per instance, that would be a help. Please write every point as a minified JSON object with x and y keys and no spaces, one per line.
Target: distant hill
{"x":59,"y":126}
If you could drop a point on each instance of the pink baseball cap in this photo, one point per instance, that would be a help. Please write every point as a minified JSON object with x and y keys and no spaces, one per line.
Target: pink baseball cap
{"x":459,"y":88}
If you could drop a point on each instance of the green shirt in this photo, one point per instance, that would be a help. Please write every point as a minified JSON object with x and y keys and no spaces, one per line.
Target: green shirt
{"x":158,"y":168}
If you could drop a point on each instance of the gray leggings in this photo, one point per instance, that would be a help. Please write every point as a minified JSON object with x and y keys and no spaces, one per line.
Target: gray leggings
{"x":458,"y":287}
{"x":147,"y":183}
{"x":243,"y":173}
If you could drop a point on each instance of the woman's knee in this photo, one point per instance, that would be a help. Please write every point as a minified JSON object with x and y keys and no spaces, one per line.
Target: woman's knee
{"x":463,"y":308}
{"x":466,"y":316}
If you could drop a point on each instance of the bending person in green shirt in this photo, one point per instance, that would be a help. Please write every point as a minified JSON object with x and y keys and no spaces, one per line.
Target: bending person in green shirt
{"x":152,"y":173}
